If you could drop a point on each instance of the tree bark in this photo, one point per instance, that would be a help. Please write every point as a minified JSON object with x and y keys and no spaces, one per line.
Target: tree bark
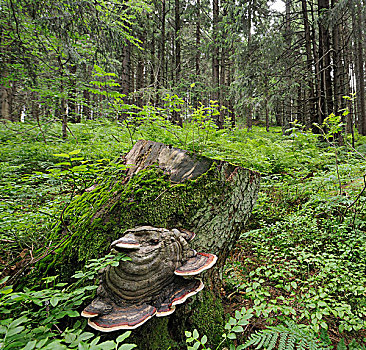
{"x":125,"y":74}
{"x":198,"y":37}
{"x":287,"y":103}
{"x":6,"y":103}
{"x":215,"y":57}
{"x":318,"y":85}
{"x":161,"y":58}
{"x":311,"y":110}
{"x":177,"y":41}
{"x":165,"y":187}
{"x":325,"y":61}
{"x":359,"y":69}
{"x":73,"y":114}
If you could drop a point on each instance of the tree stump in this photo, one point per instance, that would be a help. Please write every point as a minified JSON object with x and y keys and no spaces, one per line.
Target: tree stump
{"x":165,"y":187}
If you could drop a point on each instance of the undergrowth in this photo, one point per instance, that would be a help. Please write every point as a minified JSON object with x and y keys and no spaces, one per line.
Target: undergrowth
{"x":301,"y":262}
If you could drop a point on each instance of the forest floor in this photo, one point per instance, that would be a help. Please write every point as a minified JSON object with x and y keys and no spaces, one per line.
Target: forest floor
{"x":302,"y":256}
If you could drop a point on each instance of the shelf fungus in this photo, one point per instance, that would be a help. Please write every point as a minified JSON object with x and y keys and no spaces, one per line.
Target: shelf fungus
{"x":151,"y":283}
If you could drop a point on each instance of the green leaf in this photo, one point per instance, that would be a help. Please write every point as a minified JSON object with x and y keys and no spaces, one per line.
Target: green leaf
{"x":70,"y":337}
{"x":79,"y":274}
{"x":18,"y":321}
{"x":83,"y":346}
{"x":54,"y":301}
{"x":232,"y":336}
{"x":238,"y":329}
{"x":6,"y":290}
{"x":123,"y":336}
{"x":204,"y":339}
{"x":72,"y":313}
{"x":62,"y":155}
{"x":127,"y":346}
{"x":77,"y":151}
{"x":30,"y":345}
{"x":85,"y":336}
{"x":195,"y":334}
{"x":56,"y":345}
{"x":107,"y":345}
{"x":3,"y":280}
{"x":13,"y":331}
{"x":42,"y":343}
{"x":243,"y":322}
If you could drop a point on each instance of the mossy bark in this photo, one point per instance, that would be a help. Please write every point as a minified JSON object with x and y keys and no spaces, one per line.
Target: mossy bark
{"x":164,"y":187}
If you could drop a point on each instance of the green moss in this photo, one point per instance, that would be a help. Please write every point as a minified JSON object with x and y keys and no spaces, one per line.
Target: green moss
{"x":148,"y":198}
{"x":154,"y":335}
{"x":208,"y":317}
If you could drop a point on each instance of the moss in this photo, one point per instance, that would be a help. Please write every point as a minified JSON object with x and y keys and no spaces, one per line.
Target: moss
{"x":148,"y":198}
{"x":154,"y":335}
{"x":208,"y":317}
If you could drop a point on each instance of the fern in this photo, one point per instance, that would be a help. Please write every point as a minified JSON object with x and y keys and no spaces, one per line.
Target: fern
{"x":341,"y":345}
{"x":290,"y":336}
{"x":353,"y":345}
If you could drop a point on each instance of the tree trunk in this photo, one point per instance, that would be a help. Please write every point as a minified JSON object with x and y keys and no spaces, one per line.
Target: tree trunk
{"x":125,"y":88}
{"x":287,"y":103}
{"x":359,"y":69}
{"x":164,"y":187}
{"x":311,"y":114}
{"x":161,"y":58}
{"x":318,"y":89}
{"x":177,"y":41}
{"x":177,"y":119}
{"x":73,"y":114}
{"x":325,"y":62}
{"x":249,"y":117}
{"x":198,"y":37}
{"x":5,"y":103}
{"x":215,"y":57}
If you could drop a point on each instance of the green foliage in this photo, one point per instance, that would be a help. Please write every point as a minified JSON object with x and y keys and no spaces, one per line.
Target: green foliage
{"x":288,"y":337}
{"x":32,"y":319}
{"x":197,"y":342}
{"x":302,"y":257}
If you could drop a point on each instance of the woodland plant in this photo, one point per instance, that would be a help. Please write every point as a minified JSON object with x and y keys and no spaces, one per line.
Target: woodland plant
{"x":303,"y":254}
{"x":42,"y":318}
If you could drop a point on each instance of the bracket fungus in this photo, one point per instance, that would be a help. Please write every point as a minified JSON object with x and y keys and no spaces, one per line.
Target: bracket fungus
{"x":151,"y":283}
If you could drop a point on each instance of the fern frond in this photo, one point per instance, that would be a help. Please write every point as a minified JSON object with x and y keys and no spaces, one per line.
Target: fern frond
{"x":268,"y":341}
{"x":273,"y":341}
{"x":291,"y":336}
{"x":341,"y":345}
{"x":266,"y":335}
{"x":302,"y":345}
{"x":254,"y":339}
{"x":283,"y":341}
{"x":291,"y":341}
